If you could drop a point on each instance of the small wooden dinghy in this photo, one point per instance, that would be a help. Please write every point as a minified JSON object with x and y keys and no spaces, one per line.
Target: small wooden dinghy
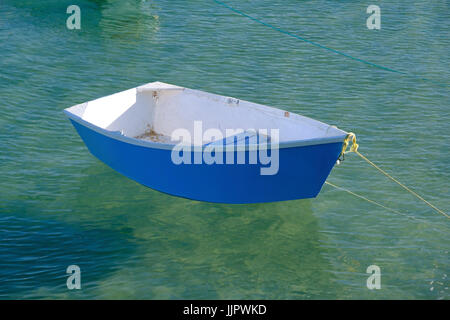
{"x":238,"y":152}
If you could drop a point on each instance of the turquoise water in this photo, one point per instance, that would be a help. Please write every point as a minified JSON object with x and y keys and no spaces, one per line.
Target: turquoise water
{"x":61,"y":206}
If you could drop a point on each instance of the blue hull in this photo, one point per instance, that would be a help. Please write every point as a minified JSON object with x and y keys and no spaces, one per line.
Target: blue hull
{"x":302,"y":171}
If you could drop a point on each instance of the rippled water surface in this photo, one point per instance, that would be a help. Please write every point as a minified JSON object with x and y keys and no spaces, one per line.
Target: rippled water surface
{"x":60,"y":206}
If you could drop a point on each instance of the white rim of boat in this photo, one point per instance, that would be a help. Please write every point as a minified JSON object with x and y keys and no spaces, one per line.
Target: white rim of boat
{"x":159,"y":145}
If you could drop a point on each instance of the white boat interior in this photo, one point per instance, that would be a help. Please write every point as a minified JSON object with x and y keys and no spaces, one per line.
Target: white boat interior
{"x":154,"y":111}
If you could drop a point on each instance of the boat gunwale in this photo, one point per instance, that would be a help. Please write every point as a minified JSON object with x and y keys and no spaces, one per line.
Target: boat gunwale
{"x":116,"y":135}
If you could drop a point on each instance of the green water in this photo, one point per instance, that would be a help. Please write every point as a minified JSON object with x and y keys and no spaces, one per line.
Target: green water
{"x":61,"y":206}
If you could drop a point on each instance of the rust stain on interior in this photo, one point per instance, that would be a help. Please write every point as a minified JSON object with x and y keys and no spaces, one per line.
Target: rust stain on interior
{"x":152,"y":135}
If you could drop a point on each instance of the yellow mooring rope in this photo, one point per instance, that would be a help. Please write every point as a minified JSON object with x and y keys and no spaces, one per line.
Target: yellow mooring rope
{"x":385,"y":207}
{"x":354,"y":148}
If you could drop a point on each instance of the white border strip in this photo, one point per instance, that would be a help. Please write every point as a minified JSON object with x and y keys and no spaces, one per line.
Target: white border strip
{"x":158,"y":145}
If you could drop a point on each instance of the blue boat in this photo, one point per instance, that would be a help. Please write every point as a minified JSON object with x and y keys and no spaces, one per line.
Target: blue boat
{"x":207,"y":147}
